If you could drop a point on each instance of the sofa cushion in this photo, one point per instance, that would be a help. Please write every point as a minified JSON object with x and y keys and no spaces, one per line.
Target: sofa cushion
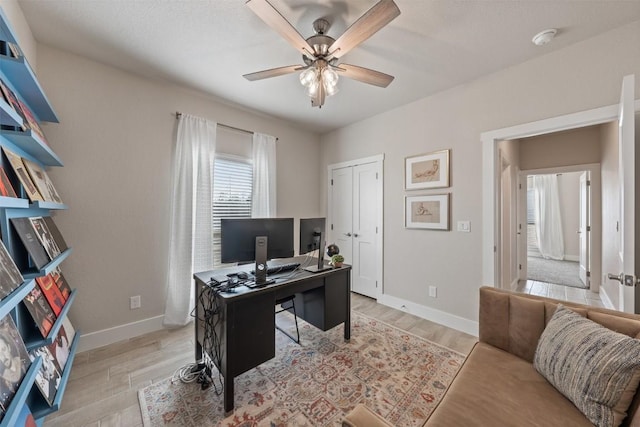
{"x":596,"y":368}
{"x":496,"y":388}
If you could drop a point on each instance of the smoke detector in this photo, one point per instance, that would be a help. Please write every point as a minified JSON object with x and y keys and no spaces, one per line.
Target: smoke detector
{"x":544,"y":37}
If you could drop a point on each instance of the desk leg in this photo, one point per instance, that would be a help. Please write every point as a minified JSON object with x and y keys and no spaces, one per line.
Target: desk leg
{"x":196,"y":324}
{"x":347,"y":322}
{"x":228,"y":395}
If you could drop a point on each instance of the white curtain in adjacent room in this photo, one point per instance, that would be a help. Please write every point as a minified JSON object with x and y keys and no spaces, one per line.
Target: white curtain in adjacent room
{"x":191,"y":224}
{"x":547,"y":216}
{"x":263,"y":199}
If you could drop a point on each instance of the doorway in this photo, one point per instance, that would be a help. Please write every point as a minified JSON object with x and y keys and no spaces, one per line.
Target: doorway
{"x":624,"y":166}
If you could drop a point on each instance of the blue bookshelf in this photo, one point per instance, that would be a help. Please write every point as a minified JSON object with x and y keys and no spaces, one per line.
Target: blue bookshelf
{"x":18,"y":76}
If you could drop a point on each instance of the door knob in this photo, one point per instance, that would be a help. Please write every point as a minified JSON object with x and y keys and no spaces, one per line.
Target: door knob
{"x":355,"y":234}
{"x":619,"y":278}
{"x":625,"y":279}
{"x":347,"y":234}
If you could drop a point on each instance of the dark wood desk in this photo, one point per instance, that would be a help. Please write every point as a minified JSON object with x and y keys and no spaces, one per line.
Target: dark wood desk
{"x":244,"y":321}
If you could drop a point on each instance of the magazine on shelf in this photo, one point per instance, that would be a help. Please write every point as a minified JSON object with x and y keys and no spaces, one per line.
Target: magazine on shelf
{"x":68,"y":327}
{"x":60,"y":348}
{"x":10,"y":277}
{"x":45,"y":237}
{"x":32,"y":122}
{"x":12,"y":100}
{"x":15,"y":50}
{"x":55,"y":233}
{"x":42,"y":181}
{"x":48,"y":378}
{"x":6,"y":189}
{"x":13,"y":358}
{"x":40,"y":311}
{"x":61,"y":283}
{"x":30,"y":241}
{"x":51,"y":293}
{"x":29,"y":187}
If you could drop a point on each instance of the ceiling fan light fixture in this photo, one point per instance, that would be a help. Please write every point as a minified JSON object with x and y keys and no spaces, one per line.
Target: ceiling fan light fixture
{"x":308,"y":76}
{"x":312,"y":89}
{"x":329,"y":77}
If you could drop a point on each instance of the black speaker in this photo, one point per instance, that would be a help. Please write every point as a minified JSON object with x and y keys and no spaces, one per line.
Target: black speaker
{"x":261,"y":260}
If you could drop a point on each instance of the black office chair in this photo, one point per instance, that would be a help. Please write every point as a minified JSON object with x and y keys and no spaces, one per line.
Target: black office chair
{"x":284,"y":306}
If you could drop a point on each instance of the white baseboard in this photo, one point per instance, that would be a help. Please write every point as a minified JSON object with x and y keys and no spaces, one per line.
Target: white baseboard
{"x":450,"y":320}
{"x":605,"y":299}
{"x":575,"y":258}
{"x":119,"y":333}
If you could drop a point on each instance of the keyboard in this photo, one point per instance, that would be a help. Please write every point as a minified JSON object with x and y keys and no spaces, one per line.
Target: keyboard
{"x":280,"y":268}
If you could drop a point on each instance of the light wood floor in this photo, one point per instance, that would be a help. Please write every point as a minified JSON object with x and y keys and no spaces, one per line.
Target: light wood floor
{"x":103,"y":387}
{"x":560,"y":292}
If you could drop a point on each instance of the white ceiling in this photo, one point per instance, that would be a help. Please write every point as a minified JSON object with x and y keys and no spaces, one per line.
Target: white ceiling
{"x":208,"y":45}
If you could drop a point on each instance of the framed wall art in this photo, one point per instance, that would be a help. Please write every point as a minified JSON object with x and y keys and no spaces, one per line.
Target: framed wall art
{"x":428,"y":212}
{"x":429,"y":170}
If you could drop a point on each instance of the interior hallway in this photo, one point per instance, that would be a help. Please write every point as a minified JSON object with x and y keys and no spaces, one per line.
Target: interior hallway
{"x":560,"y":292}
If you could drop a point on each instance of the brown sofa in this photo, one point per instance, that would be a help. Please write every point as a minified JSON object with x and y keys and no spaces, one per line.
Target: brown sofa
{"x":497,"y":384}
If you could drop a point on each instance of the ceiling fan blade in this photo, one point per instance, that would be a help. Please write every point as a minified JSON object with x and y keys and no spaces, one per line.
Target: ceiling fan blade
{"x":273,"y":72}
{"x":367,"y":25}
{"x":275,"y":20}
{"x":364,"y":75}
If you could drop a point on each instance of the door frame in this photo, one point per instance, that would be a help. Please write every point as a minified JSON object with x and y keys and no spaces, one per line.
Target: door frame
{"x":595,"y":215}
{"x":491,"y":172}
{"x":379,"y":159}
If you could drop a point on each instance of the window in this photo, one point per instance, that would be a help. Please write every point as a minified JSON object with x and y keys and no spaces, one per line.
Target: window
{"x":232,"y":186}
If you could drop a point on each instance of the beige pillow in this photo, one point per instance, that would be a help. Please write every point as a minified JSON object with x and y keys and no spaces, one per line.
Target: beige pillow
{"x":594,"y":367}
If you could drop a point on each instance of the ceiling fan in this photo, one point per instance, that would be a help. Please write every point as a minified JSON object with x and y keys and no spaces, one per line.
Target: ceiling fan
{"x":321,"y":53}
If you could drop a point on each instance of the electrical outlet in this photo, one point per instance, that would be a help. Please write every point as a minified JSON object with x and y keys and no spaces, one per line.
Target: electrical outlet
{"x":433,"y":291}
{"x":134,"y":302}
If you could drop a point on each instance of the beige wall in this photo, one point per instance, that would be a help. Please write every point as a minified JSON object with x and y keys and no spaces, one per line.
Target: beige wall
{"x":610,"y":209}
{"x":573,"y":147}
{"x":116,"y":139}
{"x":580,"y":77}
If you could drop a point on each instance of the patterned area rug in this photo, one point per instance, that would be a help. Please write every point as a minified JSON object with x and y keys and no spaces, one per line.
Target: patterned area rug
{"x":397,"y":374}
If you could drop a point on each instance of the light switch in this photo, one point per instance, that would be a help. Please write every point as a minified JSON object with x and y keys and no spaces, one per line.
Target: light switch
{"x":464,"y":226}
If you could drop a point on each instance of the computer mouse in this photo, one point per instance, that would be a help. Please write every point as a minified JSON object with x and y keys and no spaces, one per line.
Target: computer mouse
{"x":243,"y":275}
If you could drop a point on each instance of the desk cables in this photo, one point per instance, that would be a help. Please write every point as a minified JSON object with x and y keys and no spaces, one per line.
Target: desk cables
{"x":210,"y":317}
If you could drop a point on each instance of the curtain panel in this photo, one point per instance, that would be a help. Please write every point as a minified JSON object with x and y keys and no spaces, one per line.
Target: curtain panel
{"x":191,"y":224}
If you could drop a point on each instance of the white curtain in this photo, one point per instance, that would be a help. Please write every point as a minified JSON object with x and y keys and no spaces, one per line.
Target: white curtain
{"x":263,"y":199}
{"x":547,"y":216}
{"x":191,"y":232}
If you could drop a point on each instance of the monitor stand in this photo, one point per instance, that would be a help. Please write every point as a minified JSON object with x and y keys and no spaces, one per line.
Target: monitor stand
{"x":321,"y":266}
{"x":261,"y":262}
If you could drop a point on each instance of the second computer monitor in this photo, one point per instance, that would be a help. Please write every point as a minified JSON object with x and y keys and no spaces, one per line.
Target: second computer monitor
{"x":312,"y":238}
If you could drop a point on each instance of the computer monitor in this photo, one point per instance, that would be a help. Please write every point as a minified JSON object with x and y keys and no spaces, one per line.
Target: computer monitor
{"x":312,"y":237}
{"x":256,"y":239}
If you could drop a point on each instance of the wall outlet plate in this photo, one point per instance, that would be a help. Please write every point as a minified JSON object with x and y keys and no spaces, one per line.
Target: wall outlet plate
{"x":464,"y":226}
{"x":135,"y":302}
{"x":433,"y":292}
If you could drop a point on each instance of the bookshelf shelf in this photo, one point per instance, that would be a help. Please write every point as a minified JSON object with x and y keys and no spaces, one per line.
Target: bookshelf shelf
{"x":8,"y":115}
{"x":9,"y":302}
{"x":26,"y":386}
{"x":13,"y":202}
{"x":22,"y":242}
{"x":31,"y":144}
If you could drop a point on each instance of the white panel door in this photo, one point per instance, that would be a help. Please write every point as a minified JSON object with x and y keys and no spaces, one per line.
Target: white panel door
{"x":583,"y":228}
{"x":342,"y":211}
{"x":628,"y":241}
{"x":365,"y":221}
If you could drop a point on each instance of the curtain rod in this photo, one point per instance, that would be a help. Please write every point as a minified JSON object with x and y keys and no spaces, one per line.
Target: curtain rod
{"x":178,"y":114}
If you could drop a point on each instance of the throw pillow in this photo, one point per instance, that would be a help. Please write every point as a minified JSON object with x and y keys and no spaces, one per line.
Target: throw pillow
{"x":594,"y":367}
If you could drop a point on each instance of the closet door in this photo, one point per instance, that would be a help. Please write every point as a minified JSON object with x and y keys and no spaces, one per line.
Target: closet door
{"x":365,"y":227}
{"x":355,"y":215}
{"x":342,"y":211}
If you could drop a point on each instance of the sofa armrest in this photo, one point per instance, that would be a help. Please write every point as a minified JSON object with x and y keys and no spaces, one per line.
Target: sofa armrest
{"x":361,"y":416}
